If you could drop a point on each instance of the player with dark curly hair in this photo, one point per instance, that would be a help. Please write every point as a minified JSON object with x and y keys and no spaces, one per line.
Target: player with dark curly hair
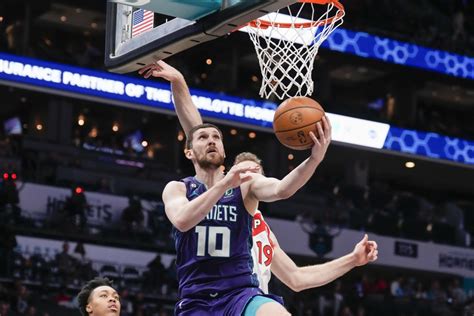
{"x":99,"y":298}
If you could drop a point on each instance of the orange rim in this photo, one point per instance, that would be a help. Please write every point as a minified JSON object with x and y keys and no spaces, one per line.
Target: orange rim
{"x":264,"y":24}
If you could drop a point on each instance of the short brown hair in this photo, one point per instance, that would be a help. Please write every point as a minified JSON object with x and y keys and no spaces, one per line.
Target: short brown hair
{"x":248,"y":156}
{"x":189,"y":137}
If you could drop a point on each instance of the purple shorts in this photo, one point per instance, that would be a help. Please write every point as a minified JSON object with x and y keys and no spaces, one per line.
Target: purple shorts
{"x":229,"y":304}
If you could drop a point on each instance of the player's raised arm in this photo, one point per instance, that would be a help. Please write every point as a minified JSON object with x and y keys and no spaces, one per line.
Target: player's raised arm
{"x":188,"y":114}
{"x":271,"y":189}
{"x":301,"y":278}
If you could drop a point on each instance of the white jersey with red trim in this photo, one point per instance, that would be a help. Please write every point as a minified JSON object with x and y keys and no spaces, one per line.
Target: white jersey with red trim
{"x":262,"y":251}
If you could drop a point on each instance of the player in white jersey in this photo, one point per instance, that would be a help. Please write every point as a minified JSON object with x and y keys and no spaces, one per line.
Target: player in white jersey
{"x":268,"y":257}
{"x":262,"y":251}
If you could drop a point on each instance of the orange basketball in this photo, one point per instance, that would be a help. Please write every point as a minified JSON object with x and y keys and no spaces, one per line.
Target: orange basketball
{"x":293,"y":121}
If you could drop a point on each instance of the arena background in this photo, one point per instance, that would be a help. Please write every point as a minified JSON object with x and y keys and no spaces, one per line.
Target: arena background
{"x":83,"y":164}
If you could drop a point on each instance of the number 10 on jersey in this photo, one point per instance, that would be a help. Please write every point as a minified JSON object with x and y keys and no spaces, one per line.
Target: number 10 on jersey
{"x":207,"y":237}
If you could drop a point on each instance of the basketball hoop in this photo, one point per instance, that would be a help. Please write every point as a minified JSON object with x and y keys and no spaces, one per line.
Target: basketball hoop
{"x":287,"y":45}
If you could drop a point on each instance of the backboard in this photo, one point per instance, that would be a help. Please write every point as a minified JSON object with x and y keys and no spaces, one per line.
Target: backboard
{"x":139,"y":32}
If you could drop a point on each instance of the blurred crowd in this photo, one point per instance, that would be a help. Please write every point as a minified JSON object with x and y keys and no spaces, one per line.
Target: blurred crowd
{"x":378,"y":293}
{"x":383,"y":208}
{"x":41,"y":283}
{"x":44,"y":284}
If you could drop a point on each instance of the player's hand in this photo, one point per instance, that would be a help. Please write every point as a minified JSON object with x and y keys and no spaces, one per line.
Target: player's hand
{"x":322,"y":142}
{"x":365,"y":251}
{"x":162,"y":70}
{"x":239,"y":174}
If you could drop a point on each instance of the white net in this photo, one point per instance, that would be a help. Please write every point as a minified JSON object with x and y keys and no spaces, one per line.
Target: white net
{"x":287,"y":46}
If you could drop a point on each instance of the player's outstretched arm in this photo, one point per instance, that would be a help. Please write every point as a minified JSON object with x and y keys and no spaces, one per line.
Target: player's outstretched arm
{"x":270,"y":189}
{"x":301,"y":278}
{"x":188,"y":114}
{"x":185,"y":214}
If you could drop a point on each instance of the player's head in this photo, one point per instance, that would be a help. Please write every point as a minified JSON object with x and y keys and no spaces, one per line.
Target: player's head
{"x":204,"y":146}
{"x":250,"y":159}
{"x":99,"y":298}
{"x":190,"y":136}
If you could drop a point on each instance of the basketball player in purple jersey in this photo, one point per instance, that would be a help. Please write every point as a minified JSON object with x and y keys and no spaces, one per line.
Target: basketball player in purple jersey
{"x":268,"y":257}
{"x":212,"y":215}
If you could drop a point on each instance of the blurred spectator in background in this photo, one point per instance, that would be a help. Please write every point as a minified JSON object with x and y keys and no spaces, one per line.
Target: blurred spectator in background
{"x":159,"y":225}
{"x":396,"y":287}
{"x":31,"y":311}
{"x":163,"y":312}
{"x":331,"y":302}
{"x":75,"y":208}
{"x":127,"y":305}
{"x":437,"y":296}
{"x":83,"y":268}
{"x":420,"y":293}
{"x":79,"y":252}
{"x":126,"y":302}
{"x":469,"y":308}
{"x":381,"y":286}
{"x":13,"y":35}
{"x":62,"y":298}
{"x":457,"y":294}
{"x":132,"y":216}
{"x":139,"y":305}
{"x":5,"y":309}
{"x":77,"y":139}
{"x":154,"y":277}
{"x":104,"y":185}
{"x":459,"y":33}
{"x":171,"y":278}
{"x":17,"y":263}
{"x":65,"y":263}
{"x":346,"y":311}
{"x":38,"y":266}
{"x":22,"y":299}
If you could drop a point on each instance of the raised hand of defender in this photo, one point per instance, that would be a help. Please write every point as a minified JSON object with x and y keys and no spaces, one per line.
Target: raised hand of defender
{"x":365,"y":251}
{"x":162,"y":70}
{"x":322,"y":142}
{"x":239,"y":174}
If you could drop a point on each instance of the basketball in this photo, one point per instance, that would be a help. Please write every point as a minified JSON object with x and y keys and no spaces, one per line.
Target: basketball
{"x":294,"y":119}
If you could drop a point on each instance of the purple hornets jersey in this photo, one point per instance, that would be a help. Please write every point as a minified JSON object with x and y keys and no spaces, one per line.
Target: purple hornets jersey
{"x":214,"y":257}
